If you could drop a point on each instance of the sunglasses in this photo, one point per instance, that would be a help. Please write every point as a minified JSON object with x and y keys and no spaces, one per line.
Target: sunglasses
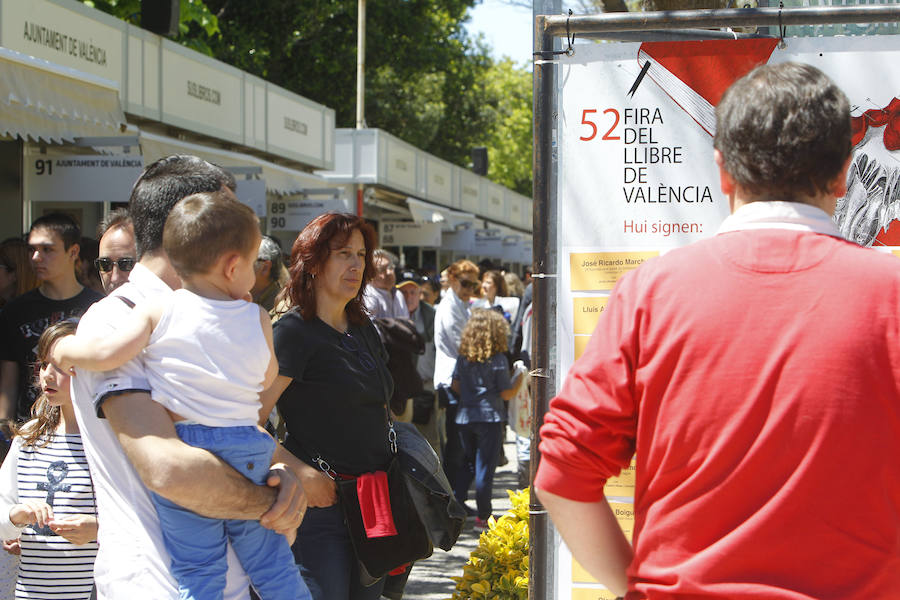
{"x":469,"y":283}
{"x":349,"y":343}
{"x":105,"y":265}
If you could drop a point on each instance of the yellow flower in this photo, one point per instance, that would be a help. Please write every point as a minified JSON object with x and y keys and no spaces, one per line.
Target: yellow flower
{"x":498,"y":567}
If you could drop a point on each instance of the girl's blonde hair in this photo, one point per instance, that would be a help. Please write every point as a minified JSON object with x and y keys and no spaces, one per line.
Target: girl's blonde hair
{"x":484,"y":335}
{"x":45,"y":418}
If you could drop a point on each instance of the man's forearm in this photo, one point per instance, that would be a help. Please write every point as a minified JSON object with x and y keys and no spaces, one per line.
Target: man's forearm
{"x":282,"y":455}
{"x":594,"y":537}
{"x":190,"y":477}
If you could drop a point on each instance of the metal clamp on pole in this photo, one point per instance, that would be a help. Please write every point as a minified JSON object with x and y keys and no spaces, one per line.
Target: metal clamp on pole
{"x":569,"y":51}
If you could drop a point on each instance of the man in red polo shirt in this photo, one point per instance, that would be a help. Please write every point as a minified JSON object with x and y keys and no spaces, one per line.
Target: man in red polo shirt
{"x":754,"y":375}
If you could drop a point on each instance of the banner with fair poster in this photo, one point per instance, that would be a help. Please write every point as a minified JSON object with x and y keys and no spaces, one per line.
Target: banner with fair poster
{"x":637,"y":177}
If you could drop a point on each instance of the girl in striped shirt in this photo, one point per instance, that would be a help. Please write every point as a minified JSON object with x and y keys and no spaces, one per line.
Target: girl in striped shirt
{"x":46,"y":495}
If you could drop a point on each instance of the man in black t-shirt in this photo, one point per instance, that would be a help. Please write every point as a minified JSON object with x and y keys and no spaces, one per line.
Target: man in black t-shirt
{"x":53,"y":241}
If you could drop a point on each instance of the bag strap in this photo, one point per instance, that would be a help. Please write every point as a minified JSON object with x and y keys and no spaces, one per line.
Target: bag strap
{"x":392,"y":433}
{"x":323,"y":464}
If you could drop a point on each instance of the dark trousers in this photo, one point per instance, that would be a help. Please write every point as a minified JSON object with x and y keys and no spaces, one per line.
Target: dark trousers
{"x":480,"y":444}
{"x":326,"y":560}
{"x":453,"y":453}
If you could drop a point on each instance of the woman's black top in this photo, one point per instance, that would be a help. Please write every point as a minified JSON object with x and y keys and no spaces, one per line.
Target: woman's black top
{"x":335,"y":405}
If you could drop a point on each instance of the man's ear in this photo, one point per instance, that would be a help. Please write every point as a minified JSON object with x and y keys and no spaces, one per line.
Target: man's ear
{"x":265,"y":267}
{"x":726,"y":182}
{"x":74,"y":251}
{"x":838,"y":187}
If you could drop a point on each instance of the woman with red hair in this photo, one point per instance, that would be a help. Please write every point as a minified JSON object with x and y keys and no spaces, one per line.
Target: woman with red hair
{"x":332,"y":389}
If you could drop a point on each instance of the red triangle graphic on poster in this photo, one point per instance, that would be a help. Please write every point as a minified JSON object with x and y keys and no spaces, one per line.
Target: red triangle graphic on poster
{"x":696,"y":74}
{"x":889,"y":235}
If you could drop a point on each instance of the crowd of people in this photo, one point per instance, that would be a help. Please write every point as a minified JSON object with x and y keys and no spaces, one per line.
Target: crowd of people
{"x":170,"y":438}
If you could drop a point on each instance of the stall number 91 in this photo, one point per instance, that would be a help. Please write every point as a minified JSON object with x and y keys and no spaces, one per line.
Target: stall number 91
{"x":43,"y":166}
{"x":587,"y":118}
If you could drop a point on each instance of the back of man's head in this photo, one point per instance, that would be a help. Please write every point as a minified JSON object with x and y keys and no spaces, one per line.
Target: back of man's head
{"x":382,"y":254}
{"x":270,"y":250}
{"x":161,"y":186}
{"x":783,"y":131}
{"x":62,"y":225}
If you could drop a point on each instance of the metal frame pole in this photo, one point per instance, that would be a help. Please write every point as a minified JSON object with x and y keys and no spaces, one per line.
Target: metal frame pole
{"x":540,"y":576}
{"x":360,"y":88}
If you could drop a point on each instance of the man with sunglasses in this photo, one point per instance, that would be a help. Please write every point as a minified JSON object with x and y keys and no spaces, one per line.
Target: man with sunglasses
{"x":53,"y":242}
{"x":117,"y":249}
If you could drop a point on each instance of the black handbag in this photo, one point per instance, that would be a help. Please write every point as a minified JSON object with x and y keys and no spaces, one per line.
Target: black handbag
{"x":425,"y":512}
{"x":429,"y":488}
{"x":379,"y":556}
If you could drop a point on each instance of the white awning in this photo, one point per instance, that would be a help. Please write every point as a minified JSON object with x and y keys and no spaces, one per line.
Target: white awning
{"x":506,"y":230}
{"x":279,"y":180}
{"x":450,"y":220}
{"x":43,"y":101}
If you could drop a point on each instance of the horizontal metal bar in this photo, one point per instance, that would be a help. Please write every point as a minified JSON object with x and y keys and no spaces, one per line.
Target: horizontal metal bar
{"x":657,"y":35}
{"x":556,"y":25}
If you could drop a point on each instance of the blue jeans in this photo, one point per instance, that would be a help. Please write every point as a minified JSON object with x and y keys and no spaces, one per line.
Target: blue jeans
{"x":197,"y":544}
{"x":480,"y":445}
{"x":324,"y":553}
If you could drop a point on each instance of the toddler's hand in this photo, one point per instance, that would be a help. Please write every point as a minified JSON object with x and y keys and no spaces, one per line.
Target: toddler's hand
{"x":31,"y":512}
{"x":12,"y":546}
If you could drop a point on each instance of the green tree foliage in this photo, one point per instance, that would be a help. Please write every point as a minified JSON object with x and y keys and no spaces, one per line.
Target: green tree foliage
{"x":422,"y":71}
{"x":427,"y":82}
{"x":194,"y":17}
{"x":510,"y":139}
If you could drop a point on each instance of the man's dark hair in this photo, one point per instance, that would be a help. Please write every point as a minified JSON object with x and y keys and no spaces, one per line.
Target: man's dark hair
{"x":116,"y":219}
{"x":161,"y":186}
{"x":783,"y":130}
{"x":64,"y":226}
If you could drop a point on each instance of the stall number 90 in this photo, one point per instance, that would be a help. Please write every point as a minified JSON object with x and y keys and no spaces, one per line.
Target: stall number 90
{"x":278,"y":208}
